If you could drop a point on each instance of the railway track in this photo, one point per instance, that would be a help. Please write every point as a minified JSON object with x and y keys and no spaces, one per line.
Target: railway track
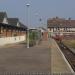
{"x":69,"y":55}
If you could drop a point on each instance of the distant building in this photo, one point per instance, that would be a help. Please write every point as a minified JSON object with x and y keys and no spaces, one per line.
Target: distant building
{"x":60,"y":24}
{"x":44,"y":33}
{"x":11,"y":30}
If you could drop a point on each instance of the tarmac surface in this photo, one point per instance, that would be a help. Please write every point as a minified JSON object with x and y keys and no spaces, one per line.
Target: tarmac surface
{"x":17,"y":58}
{"x":45,"y":57}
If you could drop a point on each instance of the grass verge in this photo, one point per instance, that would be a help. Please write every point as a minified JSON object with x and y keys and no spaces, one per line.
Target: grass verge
{"x":70,"y":43}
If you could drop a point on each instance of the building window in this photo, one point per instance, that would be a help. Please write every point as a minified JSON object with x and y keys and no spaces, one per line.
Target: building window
{"x":65,"y":28}
{"x":58,"y":28}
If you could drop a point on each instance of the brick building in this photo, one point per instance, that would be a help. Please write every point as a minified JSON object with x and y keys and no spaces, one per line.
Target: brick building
{"x":60,"y":24}
{"x":11,"y":30}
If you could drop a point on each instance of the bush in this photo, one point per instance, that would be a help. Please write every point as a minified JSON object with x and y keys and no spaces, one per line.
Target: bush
{"x":32,"y":38}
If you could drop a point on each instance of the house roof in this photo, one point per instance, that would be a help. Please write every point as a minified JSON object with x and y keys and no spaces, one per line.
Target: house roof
{"x":13,"y":21}
{"x":61,"y":26}
{"x":22,"y":25}
{"x":41,"y":28}
{"x":60,"y":23}
{"x":2,"y":15}
{"x":13,"y":26}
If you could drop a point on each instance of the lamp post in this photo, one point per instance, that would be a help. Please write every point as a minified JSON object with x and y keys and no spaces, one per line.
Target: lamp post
{"x":40,"y":20}
{"x":28,"y":26}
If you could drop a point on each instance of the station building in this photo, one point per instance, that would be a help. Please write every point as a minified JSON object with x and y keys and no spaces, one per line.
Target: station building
{"x":11,"y":30}
{"x":61,"y":26}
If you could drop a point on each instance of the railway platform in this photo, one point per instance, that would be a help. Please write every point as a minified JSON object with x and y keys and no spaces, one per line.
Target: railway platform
{"x":59,"y":64}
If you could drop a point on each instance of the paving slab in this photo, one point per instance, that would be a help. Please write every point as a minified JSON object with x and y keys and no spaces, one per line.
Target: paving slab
{"x":44,"y":57}
{"x":58,"y":63}
{"x":18,"y":58}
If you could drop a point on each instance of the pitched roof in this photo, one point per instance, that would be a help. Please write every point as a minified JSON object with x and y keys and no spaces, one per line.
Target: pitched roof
{"x":60,"y":23}
{"x":22,"y":25}
{"x":13,"y":21}
{"x":2,"y":15}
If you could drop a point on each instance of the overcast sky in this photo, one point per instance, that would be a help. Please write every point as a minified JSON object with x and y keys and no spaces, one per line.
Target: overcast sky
{"x":43,"y":9}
